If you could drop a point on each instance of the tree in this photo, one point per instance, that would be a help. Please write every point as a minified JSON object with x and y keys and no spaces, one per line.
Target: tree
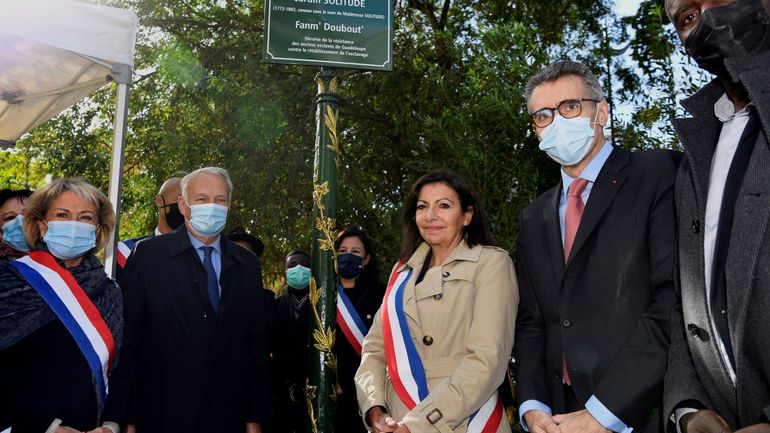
{"x":203,"y":96}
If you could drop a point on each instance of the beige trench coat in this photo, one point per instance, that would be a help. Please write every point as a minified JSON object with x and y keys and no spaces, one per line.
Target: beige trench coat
{"x":462,"y":318}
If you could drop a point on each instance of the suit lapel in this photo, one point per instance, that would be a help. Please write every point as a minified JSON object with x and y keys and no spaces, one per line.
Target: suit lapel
{"x":752,"y":213}
{"x":699,"y":136}
{"x":608,"y":183}
{"x":224,"y":277}
{"x":553,"y":231}
{"x":416,"y":262}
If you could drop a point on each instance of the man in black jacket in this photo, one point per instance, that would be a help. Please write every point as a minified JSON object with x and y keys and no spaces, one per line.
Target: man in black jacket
{"x":719,"y":363}
{"x":196,"y":343}
{"x":595,"y":269}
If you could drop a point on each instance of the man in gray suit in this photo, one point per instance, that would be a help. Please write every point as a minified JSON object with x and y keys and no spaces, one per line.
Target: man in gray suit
{"x":718,"y":377}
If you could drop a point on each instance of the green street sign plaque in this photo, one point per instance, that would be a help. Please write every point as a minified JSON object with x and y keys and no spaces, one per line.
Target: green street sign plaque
{"x":338,"y":33}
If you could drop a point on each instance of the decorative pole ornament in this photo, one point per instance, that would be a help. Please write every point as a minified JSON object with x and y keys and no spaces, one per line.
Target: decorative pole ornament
{"x":322,"y":378}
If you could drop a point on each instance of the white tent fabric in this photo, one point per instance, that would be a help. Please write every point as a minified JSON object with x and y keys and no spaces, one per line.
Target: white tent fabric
{"x":55,"y":52}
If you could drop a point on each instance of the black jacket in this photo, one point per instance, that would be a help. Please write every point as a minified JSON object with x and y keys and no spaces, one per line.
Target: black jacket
{"x":367,"y":301}
{"x":697,"y":372}
{"x":43,"y":373}
{"x":607,"y":309}
{"x":191,"y":370}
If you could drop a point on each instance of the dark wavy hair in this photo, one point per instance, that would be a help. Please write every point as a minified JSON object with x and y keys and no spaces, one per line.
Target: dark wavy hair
{"x":475,"y":233}
{"x":19,"y":194}
{"x":370,"y":276}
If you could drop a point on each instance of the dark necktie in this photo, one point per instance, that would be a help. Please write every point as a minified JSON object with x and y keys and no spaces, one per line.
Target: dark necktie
{"x":211,"y":278}
{"x":572,"y":218}
{"x":722,"y":244}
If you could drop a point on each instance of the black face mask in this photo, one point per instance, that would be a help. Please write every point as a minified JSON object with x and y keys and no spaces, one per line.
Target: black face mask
{"x":736,"y":30}
{"x":174,"y":217}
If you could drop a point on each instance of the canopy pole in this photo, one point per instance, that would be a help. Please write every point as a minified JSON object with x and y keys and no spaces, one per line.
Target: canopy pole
{"x":123,"y":79}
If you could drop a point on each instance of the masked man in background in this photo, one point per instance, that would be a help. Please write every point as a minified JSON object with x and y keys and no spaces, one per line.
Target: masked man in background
{"x":290,"y":345}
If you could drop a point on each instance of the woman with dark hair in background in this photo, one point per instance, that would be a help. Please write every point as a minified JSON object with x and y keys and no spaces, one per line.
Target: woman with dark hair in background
{"x":438,"y":348}
{"x":12,"y":204}
{"x":359,"y":296}
{"x":61,"y":316}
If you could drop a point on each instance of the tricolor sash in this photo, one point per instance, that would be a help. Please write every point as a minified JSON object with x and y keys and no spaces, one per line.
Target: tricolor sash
{"x":350,"y":322}
{"x":72,"y":306}
{"x":124,"y":250}
{"x":405,"y":368}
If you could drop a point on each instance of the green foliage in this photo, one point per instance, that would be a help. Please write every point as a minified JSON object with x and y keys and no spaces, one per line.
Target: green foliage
{"x":202,"y":96}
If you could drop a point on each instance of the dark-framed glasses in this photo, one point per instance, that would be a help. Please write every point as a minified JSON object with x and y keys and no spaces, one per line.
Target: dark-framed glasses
{"x":567,"y":108}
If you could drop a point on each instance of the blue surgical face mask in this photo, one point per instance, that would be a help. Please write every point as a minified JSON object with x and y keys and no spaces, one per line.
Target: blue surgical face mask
{"x":349,"y":265}
{"x":208,"y":219}
{"x":567,"y":141}
{"x":13,"y":234}
{"x":68,"y":240}
{"x":298,"y":277}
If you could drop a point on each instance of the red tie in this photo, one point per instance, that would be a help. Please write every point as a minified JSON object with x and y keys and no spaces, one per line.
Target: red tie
{"x":574,"y":212}
{"x":575,"y":208}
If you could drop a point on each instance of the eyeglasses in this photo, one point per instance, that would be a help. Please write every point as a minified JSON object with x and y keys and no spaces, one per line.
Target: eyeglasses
{"x":568,"y":109}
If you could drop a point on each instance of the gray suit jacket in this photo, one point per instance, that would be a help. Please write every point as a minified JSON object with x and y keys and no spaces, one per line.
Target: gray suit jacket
{"x":696,"y":371}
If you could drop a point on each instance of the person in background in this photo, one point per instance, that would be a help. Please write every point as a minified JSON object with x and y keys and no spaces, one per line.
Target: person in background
{"x":359,"y":297}
{"x":290,"y":345}
{"x":169,"y":219}
{"x":196,"y":339}
{"x":61,"y":317}
{"x":438,"y":348}
{"x":718,"y":377}
{"x":12,"y":204}
{"x":240,"y":236}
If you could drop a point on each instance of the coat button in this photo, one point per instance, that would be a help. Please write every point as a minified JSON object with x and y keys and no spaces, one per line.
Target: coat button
{"x":445,"y":274}
{"x":566,"y":323}
{"x":557,"y":374}
{"x":438,"y":297}
{"x":695,"y":226}
{"x":693,"y":329}
{"x":205,"y":315}
{"x":427,"y":340}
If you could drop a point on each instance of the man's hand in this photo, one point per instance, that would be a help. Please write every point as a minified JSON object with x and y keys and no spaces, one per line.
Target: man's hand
{"x":756,"y":428}
{"x":579,"y":422}
{"x":381,"y":422}
{"x":253,"y":427}
{"x":65,"y":429}
{"x":539,"y":421}
{"x":703,"y":421}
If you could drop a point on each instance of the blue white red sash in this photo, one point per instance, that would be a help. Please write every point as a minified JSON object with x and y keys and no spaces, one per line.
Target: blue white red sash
{"x":72,"y":306}
{"x":350,"y":322}
{"x":405,"y":368}
{"x":124,"y":250}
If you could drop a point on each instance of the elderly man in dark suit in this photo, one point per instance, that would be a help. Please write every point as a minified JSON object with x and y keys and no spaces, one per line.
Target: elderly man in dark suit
{"x":719,"y":363}
{"x":196,"y":343}
{"x":596,"y":269}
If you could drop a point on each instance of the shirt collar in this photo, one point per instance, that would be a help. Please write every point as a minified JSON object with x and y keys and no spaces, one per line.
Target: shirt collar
{"x":724,"y":109}
{"x":591,"y":172}
{"x":157,"y":232}
{"x":196,"y":243}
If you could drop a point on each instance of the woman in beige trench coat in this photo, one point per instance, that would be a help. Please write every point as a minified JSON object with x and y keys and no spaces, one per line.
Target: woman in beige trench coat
{"x":459,"y":304}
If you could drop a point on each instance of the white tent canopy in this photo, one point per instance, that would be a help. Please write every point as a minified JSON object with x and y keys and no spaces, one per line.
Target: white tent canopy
{"x":54,"y":53}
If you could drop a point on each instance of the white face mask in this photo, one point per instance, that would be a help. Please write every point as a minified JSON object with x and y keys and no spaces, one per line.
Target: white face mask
{"x":208,"y":219}
{"x":568,"y":141}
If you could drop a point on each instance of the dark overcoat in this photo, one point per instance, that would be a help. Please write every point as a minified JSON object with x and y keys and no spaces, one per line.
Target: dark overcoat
{"x":187,"y":368}
{"x":696,"y":371}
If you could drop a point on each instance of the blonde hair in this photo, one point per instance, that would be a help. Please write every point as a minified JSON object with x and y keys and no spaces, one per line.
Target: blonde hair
{"x":40,"y":201}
